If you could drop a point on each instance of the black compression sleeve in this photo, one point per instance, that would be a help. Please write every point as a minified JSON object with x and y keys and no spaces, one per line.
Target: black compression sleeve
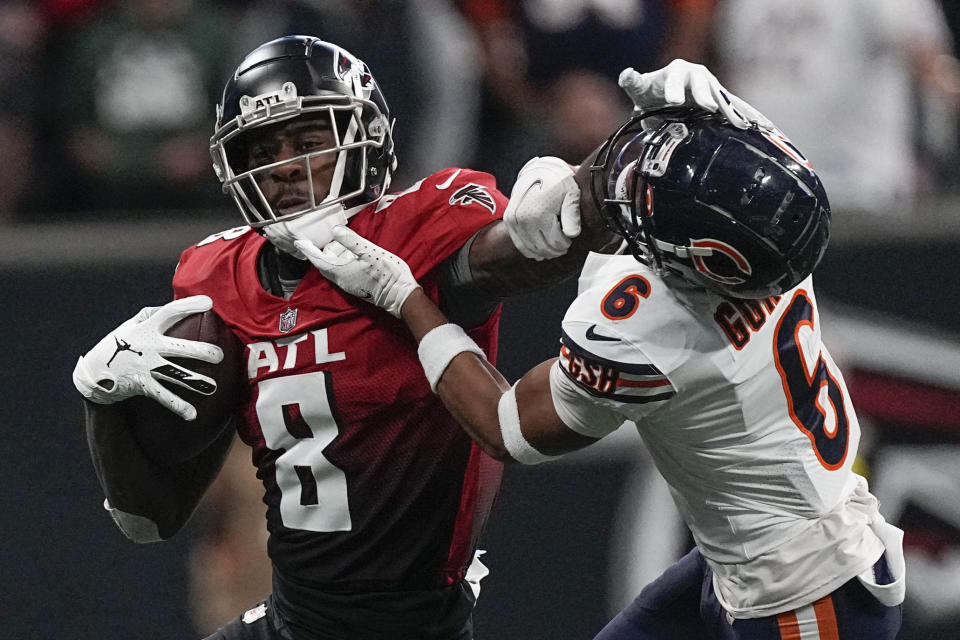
{"x":461,"y":300}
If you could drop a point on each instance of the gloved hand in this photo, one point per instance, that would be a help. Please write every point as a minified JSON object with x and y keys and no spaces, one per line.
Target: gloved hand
{"x":684,"y":83}
{"x":544,"y":211}
{"x":362,"y":269}
{"x":132,"y":358}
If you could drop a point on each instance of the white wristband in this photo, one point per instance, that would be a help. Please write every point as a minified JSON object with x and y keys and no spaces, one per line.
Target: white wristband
{"x":441,"y":345}
{"x":513,"y":440}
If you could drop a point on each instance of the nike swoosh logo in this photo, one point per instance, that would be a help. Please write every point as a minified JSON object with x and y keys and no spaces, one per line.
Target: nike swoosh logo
{"x":593,"y":335}
{"x":449,"y":181}
{"x":536,"y":183}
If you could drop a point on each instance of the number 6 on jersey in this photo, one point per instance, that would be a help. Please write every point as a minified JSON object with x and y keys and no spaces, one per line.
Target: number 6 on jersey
{"x":295,"y":415}
{"x":815,"y":397}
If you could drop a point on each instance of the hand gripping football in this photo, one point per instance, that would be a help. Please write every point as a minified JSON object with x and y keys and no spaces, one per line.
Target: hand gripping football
{"x":164,"y":436}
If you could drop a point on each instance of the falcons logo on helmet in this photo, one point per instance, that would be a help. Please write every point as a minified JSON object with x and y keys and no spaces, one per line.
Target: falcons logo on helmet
{"x":474,"y":193}
{"x":355,"y":73}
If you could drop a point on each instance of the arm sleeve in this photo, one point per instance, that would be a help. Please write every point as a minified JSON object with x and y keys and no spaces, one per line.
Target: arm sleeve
{"x":603,"y":369}
{"x":461,"y":300}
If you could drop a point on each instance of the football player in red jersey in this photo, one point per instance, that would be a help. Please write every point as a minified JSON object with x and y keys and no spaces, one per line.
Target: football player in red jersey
{"x":375,"y":497}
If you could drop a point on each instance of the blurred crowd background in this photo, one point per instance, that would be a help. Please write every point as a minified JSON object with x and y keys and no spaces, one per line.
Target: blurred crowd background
{"x":106,"y":108}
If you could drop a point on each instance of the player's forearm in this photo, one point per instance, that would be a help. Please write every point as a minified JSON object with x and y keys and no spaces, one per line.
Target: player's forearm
{"x":470,"y":386}
{"x":499,"y":269}
{"x":134,"y":484}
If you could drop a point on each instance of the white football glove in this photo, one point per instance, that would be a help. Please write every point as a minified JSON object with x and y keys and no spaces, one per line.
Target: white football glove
{"x":544,"y":210}
{"x":362,"y":269}
{"x":133,"y":358}
{"x":684,"y":83}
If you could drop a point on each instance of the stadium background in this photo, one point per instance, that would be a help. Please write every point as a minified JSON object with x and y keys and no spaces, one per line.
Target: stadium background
{"x":569,"y":542}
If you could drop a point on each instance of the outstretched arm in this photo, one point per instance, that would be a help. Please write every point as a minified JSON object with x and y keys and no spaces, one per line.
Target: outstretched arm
{"x":547,"y":231}
{"x":473,"y":390}
{"x":545,"y":236}
{"x":518,"y":423}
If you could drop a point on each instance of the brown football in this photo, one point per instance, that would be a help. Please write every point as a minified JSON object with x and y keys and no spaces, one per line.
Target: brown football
{"x":164,"y":436}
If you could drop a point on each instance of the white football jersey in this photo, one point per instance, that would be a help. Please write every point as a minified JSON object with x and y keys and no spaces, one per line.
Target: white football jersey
{"x":746,"y":416}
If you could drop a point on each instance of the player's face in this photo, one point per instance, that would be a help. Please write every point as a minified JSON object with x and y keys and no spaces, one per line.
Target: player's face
{"x":287,"y":185}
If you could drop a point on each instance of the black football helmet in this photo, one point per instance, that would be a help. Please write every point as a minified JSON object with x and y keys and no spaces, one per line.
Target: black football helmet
{"x":292,"y":77}
{"x":741,"y":212}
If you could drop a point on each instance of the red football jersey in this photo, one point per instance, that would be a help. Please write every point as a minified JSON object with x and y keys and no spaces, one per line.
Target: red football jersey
{"x":370,"y":482}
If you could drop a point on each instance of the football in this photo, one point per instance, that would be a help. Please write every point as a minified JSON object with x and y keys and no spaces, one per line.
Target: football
{"x":163,"y":435}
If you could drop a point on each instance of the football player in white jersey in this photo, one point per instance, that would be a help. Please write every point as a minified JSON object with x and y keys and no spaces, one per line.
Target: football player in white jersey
{"x":706,"y":335}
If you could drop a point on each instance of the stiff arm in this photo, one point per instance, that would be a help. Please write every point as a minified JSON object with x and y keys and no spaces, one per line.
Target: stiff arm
{"x":500,"y":270}
{"x":473,"y":391}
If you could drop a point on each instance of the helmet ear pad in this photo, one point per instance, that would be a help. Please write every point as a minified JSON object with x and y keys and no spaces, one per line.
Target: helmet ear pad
{"x":369,"y":165}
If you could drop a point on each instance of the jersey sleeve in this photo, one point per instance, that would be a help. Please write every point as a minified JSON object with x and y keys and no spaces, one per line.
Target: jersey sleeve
{"x":201,"y":263}
{"x":186,"y":277}
{"x":580,"y":411}
{"x":618,"y":370}
{"x":430,"y":221}
{"x":603,"y":367}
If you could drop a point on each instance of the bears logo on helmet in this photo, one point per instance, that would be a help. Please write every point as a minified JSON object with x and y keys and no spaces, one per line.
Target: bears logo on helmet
{"x":721,"y":248}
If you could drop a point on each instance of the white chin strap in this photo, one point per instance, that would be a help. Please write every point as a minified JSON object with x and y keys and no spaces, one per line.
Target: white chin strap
{"x":316,"y":226}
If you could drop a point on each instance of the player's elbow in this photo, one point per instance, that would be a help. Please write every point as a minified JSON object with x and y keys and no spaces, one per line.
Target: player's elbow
{"x":486,"y":435}
{"x":137,"y":528}
{"x":496,"y":450}
{"x":149,"y":526}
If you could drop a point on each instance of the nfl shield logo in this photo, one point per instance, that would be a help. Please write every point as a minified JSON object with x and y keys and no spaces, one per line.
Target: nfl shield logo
{"x":288,"y":320}
{"x":255,"y":614}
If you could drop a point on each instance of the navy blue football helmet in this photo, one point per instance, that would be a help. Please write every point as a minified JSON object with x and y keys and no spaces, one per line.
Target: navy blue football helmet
{"x":303,"y":76}
{"x":741,"y":212}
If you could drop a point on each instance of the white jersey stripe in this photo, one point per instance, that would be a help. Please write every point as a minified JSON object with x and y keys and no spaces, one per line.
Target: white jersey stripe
{"x":816,"y":621}
{"x":807,"y":623}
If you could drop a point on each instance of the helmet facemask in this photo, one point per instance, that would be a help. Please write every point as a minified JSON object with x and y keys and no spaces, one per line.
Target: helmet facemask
{"x":621,"y":187}
{"x":251,"y":186}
